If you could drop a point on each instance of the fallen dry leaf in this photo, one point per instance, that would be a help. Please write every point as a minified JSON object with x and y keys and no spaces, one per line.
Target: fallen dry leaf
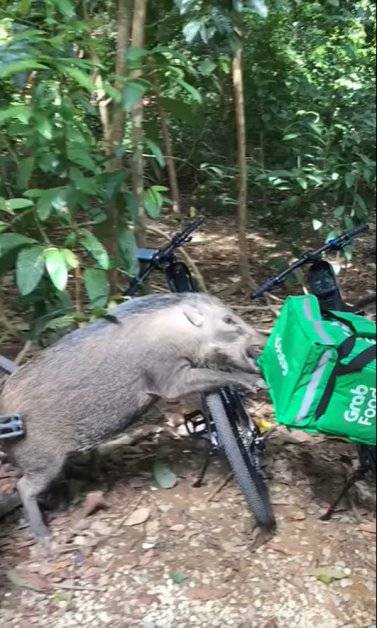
{"x":94,"y":501}
{"x":298,"y":516}
{"x":28,"y":580}
{"x":327,"y":575}
{"x":282,"y":550}
{"x":369,"y":527}
{"x":141,"y":515}
{"x":205,"y":594}
{"x":178,"y":528}
{"x":101,"y":527}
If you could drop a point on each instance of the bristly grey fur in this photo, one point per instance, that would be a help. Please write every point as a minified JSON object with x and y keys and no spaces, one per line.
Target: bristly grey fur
{"x":96,"y":381}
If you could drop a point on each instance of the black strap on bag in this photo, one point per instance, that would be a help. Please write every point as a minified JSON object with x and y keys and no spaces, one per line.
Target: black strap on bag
{"x":354,"y":366}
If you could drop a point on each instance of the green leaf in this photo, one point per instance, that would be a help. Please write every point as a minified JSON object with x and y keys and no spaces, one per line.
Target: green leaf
{"x":339,"y":211}
{"x":65,"y":7}
{"x":97,"y":286}
{"x":3,"y":226}
{"x":133,"y":93}
{"x":327,"y":575}
{"x":178,"y":109}
{"x":128,"y":252}
{"x":207,"y":67}
{"x":30,"y":268}
{"x":135,"y":54}
{"x":94,"y":246}
{"x":350,"y":179}
{"x":54,"y":198}
{"x":192,"y":29}
{"x":332,"y":235}
{"x":156,"y":152}
{"x":19,"y":112}
{"x":84,"y":80}
{"x":290,"y":136}
{"x":178,"y":577}
{"x":71,"y":258}
{"x":163,"y":475}
{"x":185,"y":5}
{"x":56,"y":267}
{"x":24,"y":7}
{"x":79,"y":154}
{"x":361,"y":203}
{"x":21,"y":66}
{"x":43,"y":126}
{"x":302,"y":183}
{"x":12,"y":241}
{"x":259,"y":6}
{"x":25,"y":170}
{"x":12,"y":204}
{"x":153,"y":203}
{"x":189,"y":89}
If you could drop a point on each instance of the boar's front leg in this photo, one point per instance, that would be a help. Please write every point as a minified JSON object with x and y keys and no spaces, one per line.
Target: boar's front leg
{"x":188,"y":380}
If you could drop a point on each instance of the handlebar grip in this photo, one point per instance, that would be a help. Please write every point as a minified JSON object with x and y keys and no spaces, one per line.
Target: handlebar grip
{"x":259,"y":292}
{"x":357,"y":230}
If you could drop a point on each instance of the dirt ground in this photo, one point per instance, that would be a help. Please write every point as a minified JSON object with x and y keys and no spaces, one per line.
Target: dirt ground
{"x":128,"y":553}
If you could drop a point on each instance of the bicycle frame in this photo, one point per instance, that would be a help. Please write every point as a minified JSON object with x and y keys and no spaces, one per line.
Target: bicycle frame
{"x":180,"y":279}
{"x":330,"y":298}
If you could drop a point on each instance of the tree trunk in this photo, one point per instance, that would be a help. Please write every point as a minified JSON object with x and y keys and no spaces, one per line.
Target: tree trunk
{"x":114,"y":133}
{"x":137,"y":161}
{"x":119,"y":114}
{"x":242,"y":167}
{"x":169,"y":154}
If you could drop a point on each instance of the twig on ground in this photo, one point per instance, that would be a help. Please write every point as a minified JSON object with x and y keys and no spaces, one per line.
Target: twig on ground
{"x":78,"y":587}
{"x":23,"y":353}
{"x":219,"y":488}
{"x":229,"y":291}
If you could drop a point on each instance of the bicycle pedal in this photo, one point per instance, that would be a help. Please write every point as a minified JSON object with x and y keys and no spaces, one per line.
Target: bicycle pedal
{"x":11,"y":426}
{"x":196,"y":425}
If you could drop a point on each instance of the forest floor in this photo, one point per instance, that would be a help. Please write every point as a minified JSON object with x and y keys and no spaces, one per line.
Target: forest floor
{"x":130,"y":554}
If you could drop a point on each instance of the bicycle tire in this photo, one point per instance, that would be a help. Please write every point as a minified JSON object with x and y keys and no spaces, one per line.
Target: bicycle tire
{"x":249,"y":478}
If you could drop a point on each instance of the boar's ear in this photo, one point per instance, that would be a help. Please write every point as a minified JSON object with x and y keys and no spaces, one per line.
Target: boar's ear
{"x":193,"y":314}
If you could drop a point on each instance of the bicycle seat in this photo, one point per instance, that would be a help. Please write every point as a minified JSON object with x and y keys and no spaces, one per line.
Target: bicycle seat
{"x":146,"y":255}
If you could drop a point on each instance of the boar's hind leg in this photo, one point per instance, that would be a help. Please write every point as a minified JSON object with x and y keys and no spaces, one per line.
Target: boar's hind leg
{"x":30,"y":487}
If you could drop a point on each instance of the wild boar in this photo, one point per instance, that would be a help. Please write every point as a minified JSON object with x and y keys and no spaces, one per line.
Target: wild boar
{"x":95,"y":381}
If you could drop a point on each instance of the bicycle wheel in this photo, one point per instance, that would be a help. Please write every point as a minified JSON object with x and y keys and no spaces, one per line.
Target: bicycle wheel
{"x":244,"y":463}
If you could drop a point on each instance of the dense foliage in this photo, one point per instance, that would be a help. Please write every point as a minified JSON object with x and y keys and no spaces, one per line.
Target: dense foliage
{"x":68,"y":210}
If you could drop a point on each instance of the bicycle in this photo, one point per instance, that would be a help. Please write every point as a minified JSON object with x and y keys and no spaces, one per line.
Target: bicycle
{"x":223,"y":420}
{"x":323,"y":283}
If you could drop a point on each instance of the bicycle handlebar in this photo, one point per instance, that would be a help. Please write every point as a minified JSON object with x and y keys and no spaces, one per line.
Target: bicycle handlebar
{"x":336,"y":244}
{"x":164,"y":253}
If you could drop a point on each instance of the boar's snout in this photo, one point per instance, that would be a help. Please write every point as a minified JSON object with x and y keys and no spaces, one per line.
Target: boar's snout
{"x":253,"y":352}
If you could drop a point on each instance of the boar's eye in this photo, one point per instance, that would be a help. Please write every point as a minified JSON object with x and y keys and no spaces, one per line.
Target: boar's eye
{"x":229,"y":320}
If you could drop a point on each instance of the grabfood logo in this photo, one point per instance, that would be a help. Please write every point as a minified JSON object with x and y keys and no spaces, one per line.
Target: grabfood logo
{"x":281,"y":355}
{"x":357,"y":412}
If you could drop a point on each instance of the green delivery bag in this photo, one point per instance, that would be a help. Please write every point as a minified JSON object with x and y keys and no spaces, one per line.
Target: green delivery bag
{"x":321,"y":373}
